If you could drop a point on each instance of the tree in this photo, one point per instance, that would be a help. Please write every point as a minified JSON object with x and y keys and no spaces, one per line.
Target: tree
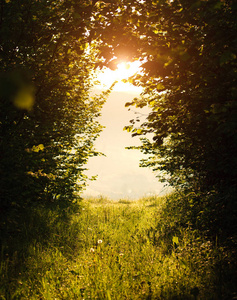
{"x":48,"y":119}
{"x":188,"y":50}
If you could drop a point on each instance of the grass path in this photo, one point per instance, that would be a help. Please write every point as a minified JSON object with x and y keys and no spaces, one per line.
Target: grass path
{"x":116,"y":250}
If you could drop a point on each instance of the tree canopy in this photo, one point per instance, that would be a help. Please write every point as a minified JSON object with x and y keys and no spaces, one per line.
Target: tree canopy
{"x":48,"y":119}
{"x":189,"y":74}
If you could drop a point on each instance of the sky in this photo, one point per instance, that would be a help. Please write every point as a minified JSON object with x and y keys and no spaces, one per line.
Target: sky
{"x":119,"y":174}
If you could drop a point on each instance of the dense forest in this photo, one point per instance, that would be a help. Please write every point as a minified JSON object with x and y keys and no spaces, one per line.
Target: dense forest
{"x":50,"y":51}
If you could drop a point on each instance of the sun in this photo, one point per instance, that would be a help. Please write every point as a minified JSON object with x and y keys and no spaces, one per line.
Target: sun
{"x":124,"y":70}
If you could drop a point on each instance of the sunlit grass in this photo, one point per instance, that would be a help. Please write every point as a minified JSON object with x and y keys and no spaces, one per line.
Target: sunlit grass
{"x":115,"y":250}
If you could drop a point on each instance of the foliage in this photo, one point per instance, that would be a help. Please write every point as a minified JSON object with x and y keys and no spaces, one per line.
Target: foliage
{"x":116,"y":250}
{"x":188,"y":55}
{"x":48,"y":120}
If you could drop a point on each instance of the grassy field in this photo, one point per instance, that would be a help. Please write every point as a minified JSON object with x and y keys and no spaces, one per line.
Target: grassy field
{"x":113,"y":250}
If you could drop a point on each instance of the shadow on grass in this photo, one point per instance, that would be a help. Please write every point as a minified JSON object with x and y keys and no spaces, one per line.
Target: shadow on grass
{"x":22,"y":230}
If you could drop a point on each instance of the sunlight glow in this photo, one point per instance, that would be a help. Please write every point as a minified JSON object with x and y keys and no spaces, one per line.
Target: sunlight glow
{"x":124,"y":70}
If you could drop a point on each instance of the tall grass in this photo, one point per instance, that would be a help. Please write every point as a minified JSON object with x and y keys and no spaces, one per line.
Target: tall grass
{"x":115,"y":250}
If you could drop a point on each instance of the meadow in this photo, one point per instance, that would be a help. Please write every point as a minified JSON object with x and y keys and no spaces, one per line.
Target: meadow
{"x":114,"y":250}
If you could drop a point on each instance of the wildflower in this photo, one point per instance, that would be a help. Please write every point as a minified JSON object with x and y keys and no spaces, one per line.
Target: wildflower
{"x":99,"y":242}
{"x":92,"y":250}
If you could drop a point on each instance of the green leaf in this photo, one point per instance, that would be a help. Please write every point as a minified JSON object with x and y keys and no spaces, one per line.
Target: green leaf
{"x":127,"y":104}
{"x":175,"y":240}
{"x":38,"y":148}
{"x":128,"y":128}
{"x":139,"y":131}
{"x":160,"y":87}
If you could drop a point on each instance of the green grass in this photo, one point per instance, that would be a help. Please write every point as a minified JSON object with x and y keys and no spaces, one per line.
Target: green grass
{"x":115,"y":250}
